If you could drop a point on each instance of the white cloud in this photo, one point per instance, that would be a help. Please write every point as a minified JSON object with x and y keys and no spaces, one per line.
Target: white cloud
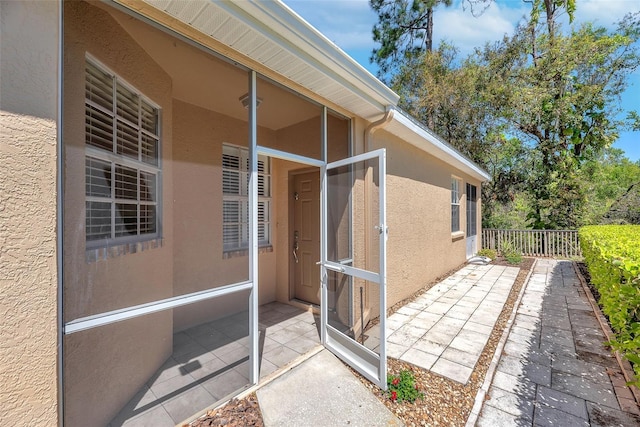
{"x":604,"y":12}
{"x":349,"y":23}
{"x":460,"y":27}
{"x":346,"y":23}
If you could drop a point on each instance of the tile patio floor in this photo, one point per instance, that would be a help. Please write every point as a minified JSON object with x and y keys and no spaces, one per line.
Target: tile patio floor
{"x":210,"y":361}
{"x":445,"y":329}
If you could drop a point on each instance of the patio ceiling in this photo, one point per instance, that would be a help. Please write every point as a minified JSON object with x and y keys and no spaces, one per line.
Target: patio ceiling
{"x":220,"y":84}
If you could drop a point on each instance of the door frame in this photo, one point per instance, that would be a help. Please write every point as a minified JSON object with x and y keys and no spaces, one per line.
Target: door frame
{"x":471,"y":239}
{"x":291,"y":213}
{"x":373,"y":366}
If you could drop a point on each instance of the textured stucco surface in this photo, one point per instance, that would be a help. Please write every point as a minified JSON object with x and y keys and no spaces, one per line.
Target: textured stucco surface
{"x":105,"y":367}
{"x":28,"y":270}
{"x":420,"y":246}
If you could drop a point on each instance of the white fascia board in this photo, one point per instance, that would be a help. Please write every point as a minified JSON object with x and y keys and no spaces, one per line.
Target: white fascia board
{"x":427,"y":141}
{"x":279,"y":23}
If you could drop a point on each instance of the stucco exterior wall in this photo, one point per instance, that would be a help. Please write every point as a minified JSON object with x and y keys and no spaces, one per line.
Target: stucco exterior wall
{"x":29,"y":40}
{"x":200,"y":263}
{"x":103,"y":368}
{"x":28,"y":112}
{"x":421,"y":246}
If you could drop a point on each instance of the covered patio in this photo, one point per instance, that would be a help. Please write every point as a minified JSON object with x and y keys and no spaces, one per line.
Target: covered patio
{"x":209,"y":364}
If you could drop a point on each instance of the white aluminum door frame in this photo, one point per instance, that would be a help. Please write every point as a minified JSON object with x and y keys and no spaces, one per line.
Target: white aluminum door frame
{"x":471,"y":241}
{"x":373,"y":366}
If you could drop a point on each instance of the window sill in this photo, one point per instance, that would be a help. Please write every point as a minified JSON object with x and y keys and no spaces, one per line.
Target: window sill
{"x":457,"y":235}
{"x":107,"y":252}
{"x":244,"y":252}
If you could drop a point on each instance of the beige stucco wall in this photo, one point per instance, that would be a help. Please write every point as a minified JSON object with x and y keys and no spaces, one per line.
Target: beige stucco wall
{"x":104,"y":367}
{"x":200,"y":263}
{"x":421,"y":246}
{"x":29,"y":41}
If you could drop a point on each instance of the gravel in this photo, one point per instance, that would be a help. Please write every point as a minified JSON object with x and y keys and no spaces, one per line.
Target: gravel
{"x":447,"y":402}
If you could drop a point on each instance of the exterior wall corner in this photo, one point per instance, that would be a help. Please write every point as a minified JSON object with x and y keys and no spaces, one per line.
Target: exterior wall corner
{"x":29,"y":60}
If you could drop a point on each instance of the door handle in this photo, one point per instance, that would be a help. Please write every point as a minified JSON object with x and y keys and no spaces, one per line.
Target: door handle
{"x":295,"y":245}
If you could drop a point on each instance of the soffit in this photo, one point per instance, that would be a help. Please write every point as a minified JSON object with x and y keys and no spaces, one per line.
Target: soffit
{"x":271,"y":35}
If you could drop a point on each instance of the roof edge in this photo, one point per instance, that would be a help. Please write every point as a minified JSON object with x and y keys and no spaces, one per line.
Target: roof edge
{"x":441,"y":149}
{"x":281,"y":21}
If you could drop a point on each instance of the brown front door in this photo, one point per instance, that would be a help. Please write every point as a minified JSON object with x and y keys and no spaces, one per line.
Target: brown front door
{"x":305,"y":248}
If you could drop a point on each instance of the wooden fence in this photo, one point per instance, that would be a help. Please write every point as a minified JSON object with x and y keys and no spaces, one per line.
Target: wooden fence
{"x":539,"y":243}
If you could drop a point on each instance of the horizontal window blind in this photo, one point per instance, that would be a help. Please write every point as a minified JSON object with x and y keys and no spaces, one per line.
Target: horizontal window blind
{"x":122,"y":173}
{"x":235,"y":188}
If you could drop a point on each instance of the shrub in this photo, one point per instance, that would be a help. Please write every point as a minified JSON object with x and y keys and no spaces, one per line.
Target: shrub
{"x":510,"y":252}
{"x":489,"y":253}
{"x":612,"y":255}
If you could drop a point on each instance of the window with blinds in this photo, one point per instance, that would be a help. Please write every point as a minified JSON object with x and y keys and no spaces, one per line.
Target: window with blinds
{"x":122,"y":161}
{"x":455,"y":204}
{"x":235,"y":189}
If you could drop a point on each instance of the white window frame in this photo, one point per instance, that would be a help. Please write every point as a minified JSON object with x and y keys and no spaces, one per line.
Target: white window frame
{"x":237,"y":193}
{"x":455,"y":204}
{"x":145,"y":189}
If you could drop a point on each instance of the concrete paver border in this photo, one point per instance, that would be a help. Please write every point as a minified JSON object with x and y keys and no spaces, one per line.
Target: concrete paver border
{"x":484,"y":389}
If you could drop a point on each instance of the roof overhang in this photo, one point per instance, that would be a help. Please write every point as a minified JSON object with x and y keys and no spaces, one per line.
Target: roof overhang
{"x":269,"y":37}
{"x":272,"y":39}
{"x":419,"y":136}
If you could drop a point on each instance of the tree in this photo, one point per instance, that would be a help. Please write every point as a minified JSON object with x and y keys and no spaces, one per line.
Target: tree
{"x":606,"y":179}
{"x":404,"y":30}
{"x":534,"y":108}
{"x":451,"y":96}
{"x":560,"y":94}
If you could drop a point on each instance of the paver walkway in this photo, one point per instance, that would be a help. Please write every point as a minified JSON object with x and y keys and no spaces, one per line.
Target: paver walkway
{"x":554,"y":369}
{"x":446,"y":329}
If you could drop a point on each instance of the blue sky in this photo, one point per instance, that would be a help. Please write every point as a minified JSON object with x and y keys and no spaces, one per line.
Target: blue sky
{"x":348,"y":24}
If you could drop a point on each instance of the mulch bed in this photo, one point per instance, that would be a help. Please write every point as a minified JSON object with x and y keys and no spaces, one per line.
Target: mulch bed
{"x":236,"y":413}
{"x":446,"y":402}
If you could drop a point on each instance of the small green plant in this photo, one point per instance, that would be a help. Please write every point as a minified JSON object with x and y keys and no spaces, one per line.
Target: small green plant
{"x":489,"y":253}
{"x":403,"y":387}
{"x":510,"y":252}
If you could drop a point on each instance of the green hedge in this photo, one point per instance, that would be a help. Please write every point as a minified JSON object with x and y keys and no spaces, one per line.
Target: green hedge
{"x":612,"y":255}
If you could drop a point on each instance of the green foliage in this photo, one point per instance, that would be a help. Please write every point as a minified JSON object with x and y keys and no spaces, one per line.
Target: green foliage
{"x":489,"y":253}
{"x":605,"y":179}
{"x":403,"y":387}
{"x":404,"y":30}
{"x":510,"y":215}
{"x":510,"y":252}
{"x":538,"y":109}
{"x":534,"y":109}
{"x":560,"y":95}
{"x":612,"y":255}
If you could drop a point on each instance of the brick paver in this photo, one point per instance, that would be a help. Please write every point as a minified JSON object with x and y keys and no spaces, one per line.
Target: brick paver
{"x":554,"y":369}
